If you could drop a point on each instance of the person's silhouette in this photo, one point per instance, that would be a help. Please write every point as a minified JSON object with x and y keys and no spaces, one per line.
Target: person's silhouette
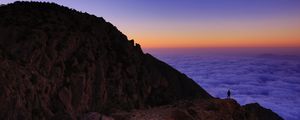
{"x":228,"y":93}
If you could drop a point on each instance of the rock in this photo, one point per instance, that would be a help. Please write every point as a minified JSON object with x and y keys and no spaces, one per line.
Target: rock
{"x":92,"y":116}
{"x":95,"y":116}
{"x":58,"y":63}
{"x":198,"y":110}
{"x":257,"y":112}
{"x":55,"y":60}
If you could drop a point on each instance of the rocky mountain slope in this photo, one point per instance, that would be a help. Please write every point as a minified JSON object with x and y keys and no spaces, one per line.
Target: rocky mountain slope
{"x":200,"y":109}
{"x":58,"y":63}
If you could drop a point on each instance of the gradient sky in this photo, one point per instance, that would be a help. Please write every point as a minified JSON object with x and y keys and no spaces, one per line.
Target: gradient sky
{"x":199,"y":23}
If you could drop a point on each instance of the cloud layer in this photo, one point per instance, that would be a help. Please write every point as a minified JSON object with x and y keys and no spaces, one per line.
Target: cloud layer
{"x":269,"y":79}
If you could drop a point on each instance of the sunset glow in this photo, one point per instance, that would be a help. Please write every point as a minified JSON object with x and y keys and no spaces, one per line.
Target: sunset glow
{"x":182,"y":24}
{"x":281,"y":32}
{"x":150,"y":59}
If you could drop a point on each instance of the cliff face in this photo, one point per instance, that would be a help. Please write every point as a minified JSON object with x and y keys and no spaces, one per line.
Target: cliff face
{"x":57,"y":63}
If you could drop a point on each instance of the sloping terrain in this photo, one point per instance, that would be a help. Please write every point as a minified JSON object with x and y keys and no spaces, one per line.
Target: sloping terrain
{"x":209,"y":109}
{"x":57,"y":63}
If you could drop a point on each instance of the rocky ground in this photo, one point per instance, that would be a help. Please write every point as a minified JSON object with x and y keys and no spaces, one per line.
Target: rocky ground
{"x":212,"y":109}
{"x":60,"y":64}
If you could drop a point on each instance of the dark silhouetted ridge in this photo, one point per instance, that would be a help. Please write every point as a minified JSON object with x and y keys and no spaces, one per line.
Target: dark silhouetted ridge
{"x":58,"y":63}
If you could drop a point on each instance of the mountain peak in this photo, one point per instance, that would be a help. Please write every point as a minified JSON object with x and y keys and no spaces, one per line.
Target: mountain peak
{"x":58,"y":63}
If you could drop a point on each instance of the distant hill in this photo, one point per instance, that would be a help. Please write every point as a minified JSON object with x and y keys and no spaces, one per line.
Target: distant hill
{"x":58,"y":63}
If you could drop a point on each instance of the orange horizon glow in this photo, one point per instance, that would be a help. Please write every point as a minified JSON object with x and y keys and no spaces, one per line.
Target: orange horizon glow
{"x":182,"y":41}
{"x":284,"y":32}
{"x":223,"y":44}
{"x":296,"y":45}
{"x":200,"y":24}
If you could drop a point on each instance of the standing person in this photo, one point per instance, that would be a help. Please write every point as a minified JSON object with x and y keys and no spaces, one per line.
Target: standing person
{"x":228,"y":93}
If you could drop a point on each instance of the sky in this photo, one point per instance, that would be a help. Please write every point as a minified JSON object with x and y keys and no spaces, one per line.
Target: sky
{"x":199,"y":23}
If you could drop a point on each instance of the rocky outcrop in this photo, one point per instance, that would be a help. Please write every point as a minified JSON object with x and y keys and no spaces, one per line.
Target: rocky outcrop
{"x":257,"y":112}
{"x":209,"y":109}
{"x":57,"y":63}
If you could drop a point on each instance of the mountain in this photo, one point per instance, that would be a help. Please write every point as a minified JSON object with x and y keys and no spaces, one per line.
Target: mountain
{"x":58,"y":63}
{"x":200,"y":109}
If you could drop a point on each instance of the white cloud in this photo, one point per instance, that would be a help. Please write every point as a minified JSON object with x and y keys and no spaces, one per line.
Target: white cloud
{"x":271,"y":80}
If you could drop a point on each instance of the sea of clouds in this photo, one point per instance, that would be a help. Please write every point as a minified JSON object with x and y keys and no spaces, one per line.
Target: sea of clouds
{"x":272,"y":80}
